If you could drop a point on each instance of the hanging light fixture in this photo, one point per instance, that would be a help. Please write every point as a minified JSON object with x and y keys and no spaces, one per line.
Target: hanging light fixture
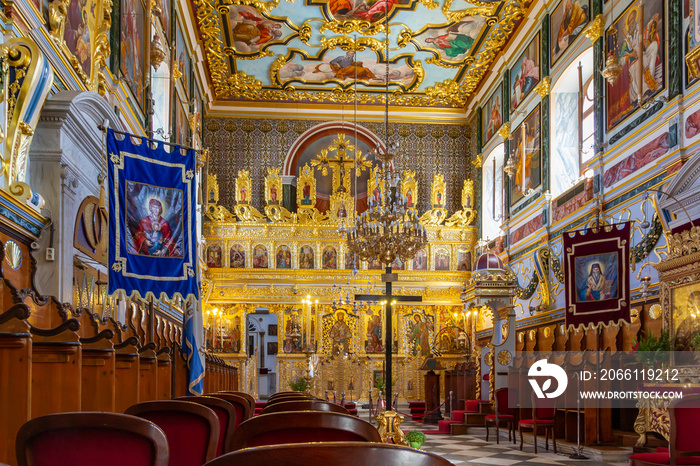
{"x":388,"y":229}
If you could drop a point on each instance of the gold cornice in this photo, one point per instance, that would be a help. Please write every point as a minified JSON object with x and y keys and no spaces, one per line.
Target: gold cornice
{"x":504,"y":131}
{"x":596,"y":29}
{"x":543,"y":87}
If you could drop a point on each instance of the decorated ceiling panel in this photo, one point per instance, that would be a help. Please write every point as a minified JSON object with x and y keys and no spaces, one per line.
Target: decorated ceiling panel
{"x":336,"y":50}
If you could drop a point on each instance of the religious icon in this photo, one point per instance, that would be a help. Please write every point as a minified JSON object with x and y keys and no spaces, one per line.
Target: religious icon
{"x":492,"y":114}
{"x":132,"y":45}
{"x":284,"y":257}
{"x":409,"y":198}
{"x":567,"y":21}
{"x":419,"y":260}
{"x":306,"y":192}
{"x":442,"y":259}
{"x":273,"y":194}
{"x":419,"y":334}
{"x":329,"y":258}
{"x":374,"y":334}
{"x":260,"y":257}
{"x":340,"y":335}
{"x":156,"y":230}
{"x":525,"y":74}
{"x":237,"y":256}
{"x":214,"y":256}
{"x":236,"y":335}
{"x":629,"y":37}
{"x":306,"y":257}
{"x":596,"y":277}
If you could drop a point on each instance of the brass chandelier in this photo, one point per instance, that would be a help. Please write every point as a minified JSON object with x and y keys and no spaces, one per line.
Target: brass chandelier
{"x":389,"y":228}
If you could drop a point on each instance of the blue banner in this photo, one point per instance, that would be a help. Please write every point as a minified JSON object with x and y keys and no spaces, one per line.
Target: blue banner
{"x":152,"y":219}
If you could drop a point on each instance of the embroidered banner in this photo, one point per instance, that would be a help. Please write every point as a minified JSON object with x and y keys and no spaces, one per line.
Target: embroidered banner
{"x":152,"y":221}
{"x":597,"y":276}
{"x":153,"y":232}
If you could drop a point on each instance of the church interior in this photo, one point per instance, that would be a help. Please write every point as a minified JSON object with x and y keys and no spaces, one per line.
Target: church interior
{"x":422,"y":214}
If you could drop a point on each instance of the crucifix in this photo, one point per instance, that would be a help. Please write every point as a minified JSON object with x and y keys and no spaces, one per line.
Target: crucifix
{"x":341,"y":146}
{"x":388,"y":278}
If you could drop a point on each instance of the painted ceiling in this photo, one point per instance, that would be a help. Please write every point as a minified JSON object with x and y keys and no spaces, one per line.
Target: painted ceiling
{"x":335,"y":50}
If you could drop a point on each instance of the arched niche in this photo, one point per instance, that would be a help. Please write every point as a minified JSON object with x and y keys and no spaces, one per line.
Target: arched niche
{"x":65,"y":160}
{"x":310,"y":143}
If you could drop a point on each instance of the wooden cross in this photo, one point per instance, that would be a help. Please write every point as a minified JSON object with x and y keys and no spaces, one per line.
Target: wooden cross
{"x":388,"y":278}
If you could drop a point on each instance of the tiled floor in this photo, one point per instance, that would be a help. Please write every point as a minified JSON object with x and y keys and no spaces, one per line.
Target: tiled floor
{"x":475,"y":450}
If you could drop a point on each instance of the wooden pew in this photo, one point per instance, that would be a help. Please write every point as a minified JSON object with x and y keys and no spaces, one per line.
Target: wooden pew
{"x":15,"y":377}
{"x":56,"y":369}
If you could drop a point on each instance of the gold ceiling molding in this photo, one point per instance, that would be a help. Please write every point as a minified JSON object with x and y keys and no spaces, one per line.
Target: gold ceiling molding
{"x":448,"y":93}
{"x":444,"y":92}
{"x":248,"y":56}
{"x":348,"y":43}
{"x":482,"y":9}
{"x":210,"y":29}
{"x":494,"y":42}
{"x":263,"y":7}
{"x":351,"y":25}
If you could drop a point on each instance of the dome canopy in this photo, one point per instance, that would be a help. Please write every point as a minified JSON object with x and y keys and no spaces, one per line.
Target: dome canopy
{"x":488,"y":261}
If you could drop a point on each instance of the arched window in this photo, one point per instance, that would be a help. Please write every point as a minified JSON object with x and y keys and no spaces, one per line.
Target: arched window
{"x":572,"y":123}
{"x":492,"y":194}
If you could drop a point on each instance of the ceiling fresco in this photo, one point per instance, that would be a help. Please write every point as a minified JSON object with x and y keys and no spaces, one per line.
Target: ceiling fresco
{"x":335,"y":50}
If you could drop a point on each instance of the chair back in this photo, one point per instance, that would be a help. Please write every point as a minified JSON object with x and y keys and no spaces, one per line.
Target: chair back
{"x":247,"y":396}
{"x":684,"y":414}
{"x":303,"y":426}
{"x":543,"y":408}
{"x":192,"y":429}
{"x":502,"y":406}
{"x":243,"y":409}
{"x":286,"y":393}
{"x":90,"y":438}
{"x":225,"y":412}
{"x":282,"y":399}
{"x":330,"y":453}
{"x":304,"y":405}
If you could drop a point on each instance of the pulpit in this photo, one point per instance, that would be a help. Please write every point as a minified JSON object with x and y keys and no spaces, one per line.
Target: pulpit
{"x":432,"y":390}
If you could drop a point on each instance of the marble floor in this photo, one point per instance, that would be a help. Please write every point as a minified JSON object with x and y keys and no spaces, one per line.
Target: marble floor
{"x":473,"y":449}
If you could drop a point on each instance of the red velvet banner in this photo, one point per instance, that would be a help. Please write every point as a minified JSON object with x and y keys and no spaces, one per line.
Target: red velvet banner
{"x":597,"y":275}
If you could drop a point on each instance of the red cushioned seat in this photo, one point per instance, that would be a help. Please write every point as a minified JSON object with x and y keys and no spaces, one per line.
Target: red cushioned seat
{"x":540,"y":422}
{"x":90,"y":438}
{"x":664,"y":458}
{"x":684,"y":442}
{"x":543,"y":413}
{"x":472,"y":406}
{"x":504,"y":413}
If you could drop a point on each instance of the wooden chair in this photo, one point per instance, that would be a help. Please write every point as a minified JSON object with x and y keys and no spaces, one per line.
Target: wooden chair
{"x":243,"y":409}
{"x":543,"y":412}
{"x":330,"y":453}
{"x":192,"y":429}
{"x":250,"y":398}
{"x":90,"y":438}
{"x":286,"y":393}
{"x":225,"y":412}
{"x":505,"y":414}
{"x":303,"y":426}
{"x":282,"y":399}
{"x":304,"y":405}
{"x":684,"y":444}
